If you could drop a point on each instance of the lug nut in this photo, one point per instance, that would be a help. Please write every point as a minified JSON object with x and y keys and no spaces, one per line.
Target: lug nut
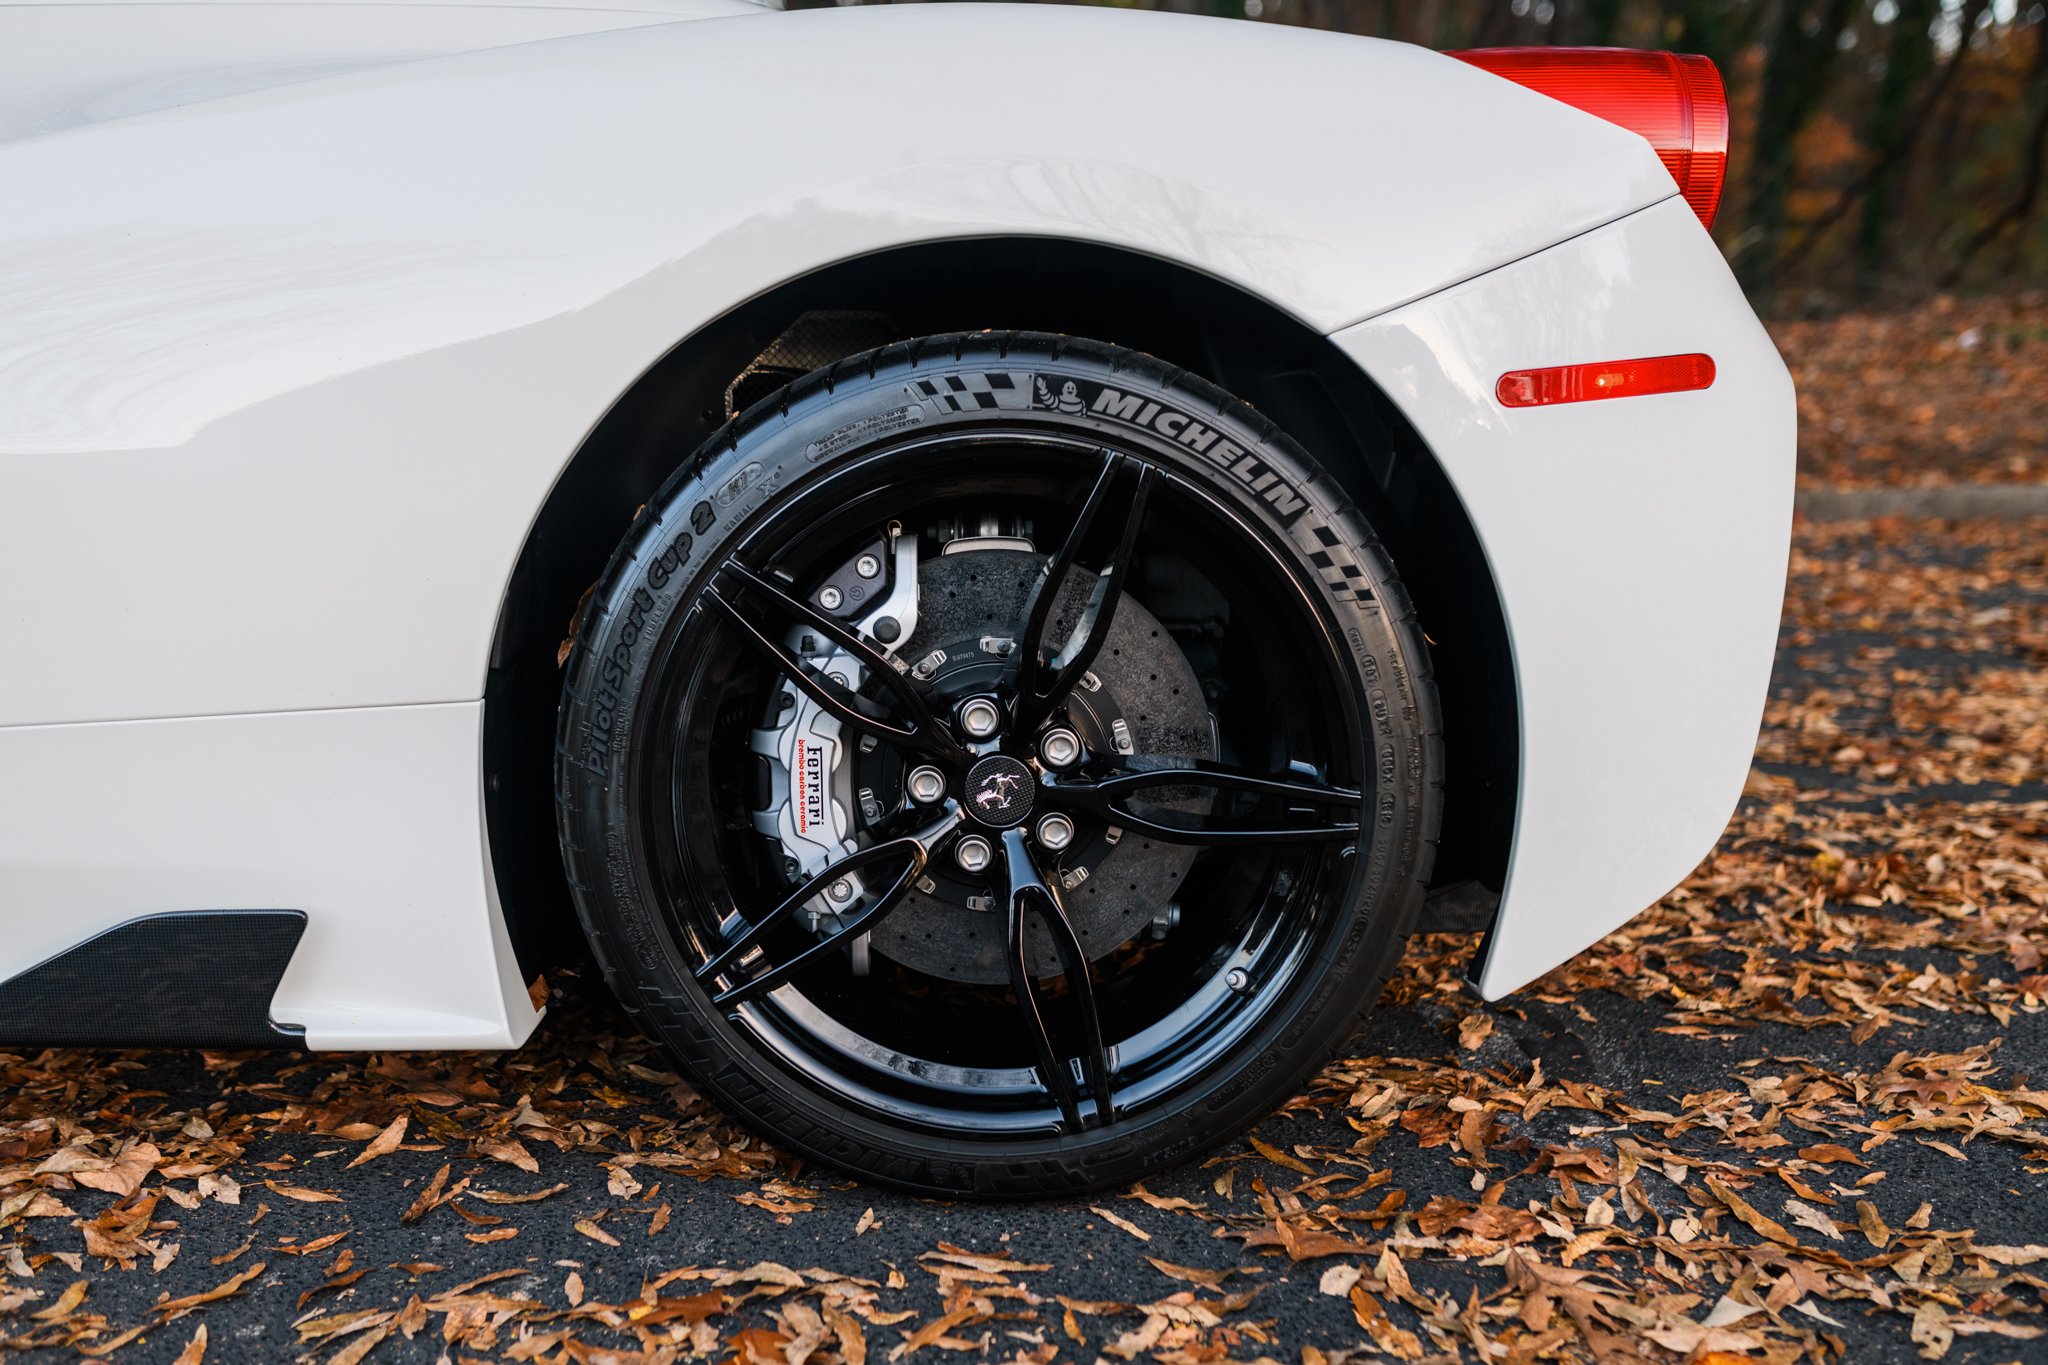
{"x":926,"y":784}
{"x":830,"y":597}
{"x":1055,"y":831}
{"x":973,"y":853}
{"x":1059,"y":747}
{"x":867,"y":566}
{"x":980,"y":717}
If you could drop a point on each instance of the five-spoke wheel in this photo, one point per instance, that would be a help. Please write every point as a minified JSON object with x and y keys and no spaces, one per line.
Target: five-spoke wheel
{"x":1015,"y":798}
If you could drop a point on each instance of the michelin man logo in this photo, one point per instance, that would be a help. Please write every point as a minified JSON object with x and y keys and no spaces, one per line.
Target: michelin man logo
{"x":1069,"y":402}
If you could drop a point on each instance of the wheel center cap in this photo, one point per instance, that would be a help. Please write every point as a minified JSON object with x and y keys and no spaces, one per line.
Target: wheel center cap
{"x":999,"y":791}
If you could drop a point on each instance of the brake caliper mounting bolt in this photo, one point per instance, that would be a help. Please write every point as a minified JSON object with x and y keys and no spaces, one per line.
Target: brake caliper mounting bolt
{"x":980,"y":717}
{"x":867,"y":566}
{"x":830,"y":597}
{"x":1059,"y":747}
{"x":840,"y":890}
{"x":1237,"y":980}
{"x":926,"y":784}
{"x":1055,"y":831}
{"x":973,"y":853}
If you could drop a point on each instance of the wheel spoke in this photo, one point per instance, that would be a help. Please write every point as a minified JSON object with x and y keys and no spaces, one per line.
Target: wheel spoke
{"x":1203,"y":773}
{"x":1029,"y":890}
{"x":915,"y":850}
{"x":1173,"y":827}
{"x":920,"y":731}
{"x":1044,"y":678}
{"x":1106,"y":798}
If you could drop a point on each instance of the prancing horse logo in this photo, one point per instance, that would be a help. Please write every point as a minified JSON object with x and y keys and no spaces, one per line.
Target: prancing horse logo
{"x":995,"y":791}
{"x":999,"y":791}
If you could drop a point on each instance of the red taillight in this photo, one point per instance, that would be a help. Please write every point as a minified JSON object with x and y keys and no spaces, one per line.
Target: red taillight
{"x":1675,"y":101}
{"x":1607,"y":379}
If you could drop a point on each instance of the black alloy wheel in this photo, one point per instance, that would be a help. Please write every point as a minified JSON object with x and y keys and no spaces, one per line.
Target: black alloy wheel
{"x":998,"y":765}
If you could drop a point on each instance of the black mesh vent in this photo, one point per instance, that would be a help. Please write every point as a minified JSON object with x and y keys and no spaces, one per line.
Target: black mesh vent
{"x":812,"y":342}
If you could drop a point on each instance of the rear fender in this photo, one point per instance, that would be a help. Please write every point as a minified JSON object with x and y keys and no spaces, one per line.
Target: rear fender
{"x":1639,"y":546}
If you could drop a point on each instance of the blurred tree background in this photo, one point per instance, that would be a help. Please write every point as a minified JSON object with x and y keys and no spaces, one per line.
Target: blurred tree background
{"x":1883,"y":151}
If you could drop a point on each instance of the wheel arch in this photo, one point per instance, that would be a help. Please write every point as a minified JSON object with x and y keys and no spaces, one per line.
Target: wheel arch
{"x":1288,"y":370}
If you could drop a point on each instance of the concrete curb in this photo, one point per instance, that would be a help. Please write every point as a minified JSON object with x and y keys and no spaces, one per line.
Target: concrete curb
{"x":1961,"y":502}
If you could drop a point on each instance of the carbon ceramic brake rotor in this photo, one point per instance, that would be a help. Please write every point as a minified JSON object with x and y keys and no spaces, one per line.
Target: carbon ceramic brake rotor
{"x":1146,"y":682}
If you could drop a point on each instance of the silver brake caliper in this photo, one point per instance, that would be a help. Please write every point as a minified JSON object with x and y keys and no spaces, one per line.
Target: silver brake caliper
{"x":810,"y":776}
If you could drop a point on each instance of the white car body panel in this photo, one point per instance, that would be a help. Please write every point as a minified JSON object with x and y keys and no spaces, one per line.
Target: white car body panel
{"x":291,"y":355}
{"x":81,"y":63}
{"x":1639,"y":547}
{"x":369,"y":820}
{"x":363,"y":270}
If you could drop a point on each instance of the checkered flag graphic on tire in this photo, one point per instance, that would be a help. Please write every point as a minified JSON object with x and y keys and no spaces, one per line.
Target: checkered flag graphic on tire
{"x":968,"y":392}
{"x":1338,"y":569}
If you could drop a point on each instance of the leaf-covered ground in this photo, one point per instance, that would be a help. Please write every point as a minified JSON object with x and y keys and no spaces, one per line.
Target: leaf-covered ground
{"x":1946,"y":393}
{"x":1796,"y":1111}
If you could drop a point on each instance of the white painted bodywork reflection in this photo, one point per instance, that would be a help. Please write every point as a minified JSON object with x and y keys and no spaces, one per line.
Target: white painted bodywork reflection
{"x":92,"y":61}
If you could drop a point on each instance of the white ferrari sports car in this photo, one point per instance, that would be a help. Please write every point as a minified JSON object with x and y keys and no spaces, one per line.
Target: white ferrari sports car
{"x":991,"y":562}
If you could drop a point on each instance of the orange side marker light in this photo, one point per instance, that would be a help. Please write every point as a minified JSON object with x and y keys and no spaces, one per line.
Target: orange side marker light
{"x":1604,"y":379}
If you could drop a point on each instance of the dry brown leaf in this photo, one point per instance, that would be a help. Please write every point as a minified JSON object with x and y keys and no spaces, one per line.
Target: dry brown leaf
{"x":1117,"y":1220}
{"x":1473,"y":1030}
{"x":302,"y":1194}
{"x":428,"y":1196}
{"x":1338,"y":1280}
{"x":353,"y":1353}
{"x":115,"y":1343}
{"x":1386,"y":1334}
{"x":595,"y":1233}
{"x":474,"y":1217}
{"x":384,"y":1143}
{"x":1140,"y":1339}
{"x":532,"y":1197}
{"x":1278,"y":1157}
{"x":1307,"y":1244}
{"x":125,"y":1174}
{"x":171,"y":1308}
{"x":1873,"y":1226}
{"x":1758,"y":1222}
{"x":935,"y":1330}
{"x":852,"y":1339}
{"x":65,"y":1304}
{"x":1807,"y":1216}
{"x":511,"y":1151}
{"x":1207,"y":1278}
